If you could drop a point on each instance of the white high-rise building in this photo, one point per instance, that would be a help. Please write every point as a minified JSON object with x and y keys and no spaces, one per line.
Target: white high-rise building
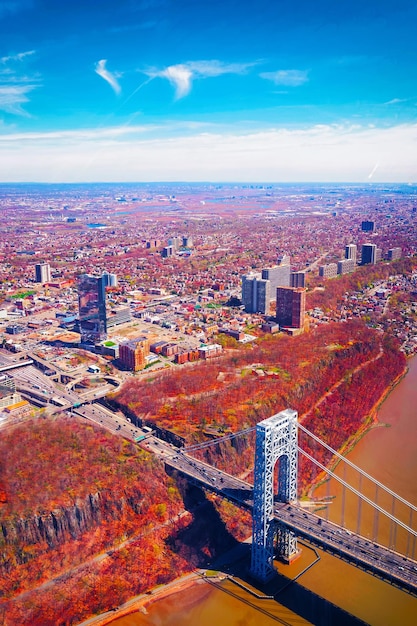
{"x":110,"y":280}
{"x":256,"y":293}
{"x":351,"y":251}
{"x":42,"y":273}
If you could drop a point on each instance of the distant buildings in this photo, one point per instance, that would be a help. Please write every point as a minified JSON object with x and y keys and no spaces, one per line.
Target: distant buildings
{"x":110,"y":280}
{"x":153,"y":243}
{"x":167,"y":251}
{"x":291,"y":307}
{"x":187,"y":241}
{"x":394,"y":254}
{"x":259,"y":289}
{"x":92,"y":308}
{"x":283,"y":259}
{"x":133,"y":353}
{"x":368,"y":226}
{"x":175,"y":243}
{"x":42,"y":273}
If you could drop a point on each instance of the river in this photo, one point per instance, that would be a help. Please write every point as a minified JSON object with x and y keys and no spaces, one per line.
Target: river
{"x":387,"y":452}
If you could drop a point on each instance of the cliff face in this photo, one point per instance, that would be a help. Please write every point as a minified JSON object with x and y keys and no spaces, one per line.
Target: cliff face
{"x":60,"y":525}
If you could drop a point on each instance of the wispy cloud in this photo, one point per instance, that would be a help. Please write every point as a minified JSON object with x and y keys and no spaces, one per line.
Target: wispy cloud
{"x":78,"y":135}
{"x":13,"y":96}
{"x":396,"y":101}
{"x":205,"y":69}
{"x":290,"y":78}
{"x":109,"y":77}
{"x":16,"y":57}
{"x":15,"y":85}
{"x":182,"y":75}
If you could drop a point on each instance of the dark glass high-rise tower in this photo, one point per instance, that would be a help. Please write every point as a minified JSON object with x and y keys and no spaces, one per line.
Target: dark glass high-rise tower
{"x":92,"y":308}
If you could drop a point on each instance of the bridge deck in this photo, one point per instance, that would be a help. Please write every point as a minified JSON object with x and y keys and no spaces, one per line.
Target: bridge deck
{"x":361,"y":552}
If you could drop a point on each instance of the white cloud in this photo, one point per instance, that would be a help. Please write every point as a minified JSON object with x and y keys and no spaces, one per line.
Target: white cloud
{"x":396,"y":101}
{"x":204,"y":69}
{"x":109,"y":77}
{"x":179,"y":76}
{"x":332,"y":153}
{"x":13,"y":96}
{"x":76,"y":136}
{"x":15,"y":86}
{"x":290,"y":78}
{"x":182,"y":75}
{"x":16,"y":57}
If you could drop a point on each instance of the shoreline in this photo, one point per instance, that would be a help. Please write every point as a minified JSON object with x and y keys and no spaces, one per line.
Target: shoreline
{"x":141,"y":602}
{"x":370,"y":422}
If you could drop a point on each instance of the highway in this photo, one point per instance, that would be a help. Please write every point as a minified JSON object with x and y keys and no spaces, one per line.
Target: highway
{"x":113,"y":422}
{"x":345,"y":544}
{"x":41,"y":389}
{"x":360,"y":551}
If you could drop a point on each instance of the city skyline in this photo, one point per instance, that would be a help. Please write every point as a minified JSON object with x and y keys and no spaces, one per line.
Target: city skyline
{"x":219,"y":91}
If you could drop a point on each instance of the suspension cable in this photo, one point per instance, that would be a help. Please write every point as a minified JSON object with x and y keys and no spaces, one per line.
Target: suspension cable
{"x":207,"y":444}
{"x":357,"y":493}
{"x":342,"y":458}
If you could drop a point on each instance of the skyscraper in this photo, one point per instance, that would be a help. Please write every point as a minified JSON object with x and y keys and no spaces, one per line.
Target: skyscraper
{"x":278,"y":276}
{"x":368,"y":226}
{"x":369,"y":253}
{"x":42,"y":273}
{"x":110,"y":280}
{"x":351,"y":251}
{"x":256,"y":293}
{"x":92,"y":308}
{"x":298,"y":279}
{"x":291,"y":306}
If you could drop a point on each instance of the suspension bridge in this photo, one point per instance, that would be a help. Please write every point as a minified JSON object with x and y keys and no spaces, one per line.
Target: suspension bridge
{"x":386,"y":548}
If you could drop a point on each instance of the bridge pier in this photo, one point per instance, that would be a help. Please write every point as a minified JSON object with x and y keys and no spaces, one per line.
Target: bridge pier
{"x":276,"y":438}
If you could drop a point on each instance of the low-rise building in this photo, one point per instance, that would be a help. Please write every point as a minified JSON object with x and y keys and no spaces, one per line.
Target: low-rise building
{"x":346,"y":266}
{"x":328,"y":271}
{"x":210,"y":351}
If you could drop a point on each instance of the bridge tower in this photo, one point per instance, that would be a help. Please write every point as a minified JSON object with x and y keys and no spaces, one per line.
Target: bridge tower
{"x":276,"y":438}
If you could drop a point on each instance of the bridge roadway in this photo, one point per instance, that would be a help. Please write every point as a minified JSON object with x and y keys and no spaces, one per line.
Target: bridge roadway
{"x":360,"y":551}
{"x":355,"y":549}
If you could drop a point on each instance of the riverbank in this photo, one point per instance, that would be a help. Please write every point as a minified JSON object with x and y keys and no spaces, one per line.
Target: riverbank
{"x":142,"y":602}
{"x":370,"y":422}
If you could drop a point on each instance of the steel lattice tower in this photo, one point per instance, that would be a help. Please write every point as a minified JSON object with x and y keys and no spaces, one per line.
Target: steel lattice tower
{"x":276,"y":438}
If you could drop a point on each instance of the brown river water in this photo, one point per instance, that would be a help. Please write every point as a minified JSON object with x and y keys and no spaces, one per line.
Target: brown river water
{"x":387,"y":452}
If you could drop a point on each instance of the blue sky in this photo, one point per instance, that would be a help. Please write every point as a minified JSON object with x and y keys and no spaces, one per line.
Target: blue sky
{"x":220,"y":90}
